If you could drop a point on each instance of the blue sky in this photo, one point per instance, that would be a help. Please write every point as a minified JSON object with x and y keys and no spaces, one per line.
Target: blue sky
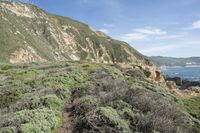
{"x":154,"y":27}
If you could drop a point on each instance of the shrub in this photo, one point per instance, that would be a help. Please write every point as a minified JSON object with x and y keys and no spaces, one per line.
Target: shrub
{"x":41,"y":121}
{"x":124,"y":109}
{"x":12,"y":94}
{"x":63,"y":93}
{"x":114,"y":72}
{"x":67,"y":80}
{"x":32,"y":121}
{"x":158,"y":114}
{"x":8,"y":130}
{"x":113,"y":118}
{"x":52,"y":102}
{"x":85,"y":104}
{"x":6,"y":66}
{"x":192,"y":106}
{"x":28,"y":102}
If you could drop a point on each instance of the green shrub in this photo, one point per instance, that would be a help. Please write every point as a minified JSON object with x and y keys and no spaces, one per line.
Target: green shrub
{"x":114,"y":72}
{"x":67,"y":80}
{"x":63,"y":94}
{"x":85,"y":104}
{"x":8,"y":130}
{"x":27,"y":75}
{"x":192,"y":106}
{"x":27,"y":102}
{"x":124,"y":109}
{"x":52,"y":102}
{"x":5,"y":67}
{"x":13,"y":94}
{"x":32,"y":121}
{"x":34,"y":102}
{"x":43,"y":120}
{"x":114,"y":118}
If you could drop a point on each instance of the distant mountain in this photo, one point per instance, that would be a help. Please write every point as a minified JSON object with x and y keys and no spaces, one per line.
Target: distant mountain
{"x":171,"y":61}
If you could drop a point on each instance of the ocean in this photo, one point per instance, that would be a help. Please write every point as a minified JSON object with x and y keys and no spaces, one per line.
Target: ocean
{"x":189,"y":73}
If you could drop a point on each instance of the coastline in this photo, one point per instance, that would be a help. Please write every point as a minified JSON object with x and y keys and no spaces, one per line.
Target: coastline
{"x":186,"y":66}
{"x":189,"y":72}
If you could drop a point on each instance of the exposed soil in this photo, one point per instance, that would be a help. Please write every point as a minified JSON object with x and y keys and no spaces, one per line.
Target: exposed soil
{"x":67,"y":120}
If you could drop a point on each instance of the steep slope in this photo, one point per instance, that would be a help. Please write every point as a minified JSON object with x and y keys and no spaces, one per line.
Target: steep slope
{"x":29,"y":34}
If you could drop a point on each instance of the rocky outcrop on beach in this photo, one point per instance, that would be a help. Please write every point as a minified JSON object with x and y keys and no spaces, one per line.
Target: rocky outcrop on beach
{"x":183,"y":88}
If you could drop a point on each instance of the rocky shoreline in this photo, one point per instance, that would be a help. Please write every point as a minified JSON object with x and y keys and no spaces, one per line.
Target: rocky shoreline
{"x":190,"y":87}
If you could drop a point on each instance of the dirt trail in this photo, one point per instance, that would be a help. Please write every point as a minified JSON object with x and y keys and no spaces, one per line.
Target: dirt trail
{"x":67,"y":122}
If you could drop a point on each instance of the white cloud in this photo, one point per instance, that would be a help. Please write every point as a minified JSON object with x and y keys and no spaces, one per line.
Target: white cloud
{"x":133,"y":36}
{"x":104,"y":30}
{"x":175,"y":36}
{"x":151,"y":31}
{"x":196,"y":24}
{"x":143,"y":33}
{"x":159,"y":49}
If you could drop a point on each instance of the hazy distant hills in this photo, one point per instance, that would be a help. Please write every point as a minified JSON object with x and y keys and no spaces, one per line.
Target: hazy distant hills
{"x":171,"y":61}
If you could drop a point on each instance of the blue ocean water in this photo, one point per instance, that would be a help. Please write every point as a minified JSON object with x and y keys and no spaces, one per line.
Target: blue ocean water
{"x":189,"y":73}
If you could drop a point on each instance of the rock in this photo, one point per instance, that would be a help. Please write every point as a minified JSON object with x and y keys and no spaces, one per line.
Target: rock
{"x":177,"y":80}
{"x":186,"y":84}
{"x":189,"y":87}
{"x":195,"y":89}
{"x":171,"y":85}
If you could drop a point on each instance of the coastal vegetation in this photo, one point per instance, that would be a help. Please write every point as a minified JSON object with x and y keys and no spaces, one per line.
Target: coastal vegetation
{"x":102,"y":98}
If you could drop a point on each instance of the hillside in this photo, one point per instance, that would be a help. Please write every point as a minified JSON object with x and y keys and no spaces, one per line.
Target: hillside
{"x":30,"y":34}
{"x":170,"y":61}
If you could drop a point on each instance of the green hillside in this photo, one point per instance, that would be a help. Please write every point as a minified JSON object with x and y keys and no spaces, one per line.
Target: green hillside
{"x":29,"y":34}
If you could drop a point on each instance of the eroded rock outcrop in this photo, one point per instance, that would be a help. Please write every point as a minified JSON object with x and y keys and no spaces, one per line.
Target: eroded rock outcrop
{"x":28,"y":55}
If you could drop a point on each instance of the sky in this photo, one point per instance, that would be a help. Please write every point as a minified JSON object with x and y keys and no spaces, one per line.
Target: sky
{"x":153,"y":27}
